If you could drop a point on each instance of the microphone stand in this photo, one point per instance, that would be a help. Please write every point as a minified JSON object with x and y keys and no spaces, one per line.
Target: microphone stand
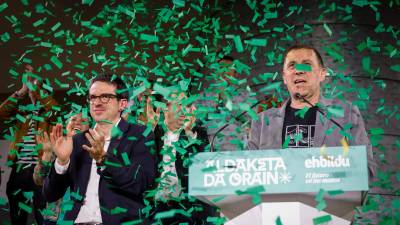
{"x":298,"y":96}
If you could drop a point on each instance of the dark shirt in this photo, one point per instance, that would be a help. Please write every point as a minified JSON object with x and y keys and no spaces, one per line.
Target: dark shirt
{"x":299,"y":127}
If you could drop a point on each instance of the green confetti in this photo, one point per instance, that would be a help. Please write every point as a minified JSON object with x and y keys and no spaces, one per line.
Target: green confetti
{"x":132,"y":138}
{"x":125,"y":157}
{"x":61,"y":85}
{"x":229,"y":105}
{"x":13,"y":72}
{"x":171,"y":213}
{"x":327,"y":29}
{"x":105,"y":121}
{"x":166,"y":214}
{"x":321,"y":205}
{"x":336,"y":111}
{"x":3,"y":201}
{"x":3,"y":6}
{"x":179,"y":3}
{"x":278,"y":221}
{"x":254,"y":192}
{"x":160,"y":105}
{"x":39,"y":22}
{"x":47,"y":87}
{"x":5,"y":37}
{"x":303,"y":67}
{"x":361,"y":46}
{"x":302,"y":112}
{"x":149,"y":38}
{"x":271,"y":86}
{"x":184,"y":85}
{"x":271,"y":15}
{"x":25,"y":207}
{"x":278,"y":29}
{"x":137,"y":91}
{"x":238,"y":43}
{"x":256,"y":42}
{"x":20,"y":118}
{"x":116,"y":132}
{"x":286,"y":143}
{"x":66,"y":222}
{"x":322,"y":219}
{"x":45,"y":44}
{"x":245,"y":29}
{"x":396,"y":203}
{"x":128,"y":12}
{"x":56,"y":26}
{"x":165,"y":92}
{"x":395,"y":68}
{"x":335,"y":192}
{"x":38,"y":118}
{"x":56,"y":62}
{"x":113,"y":164}
{"x":87,"y":2}
{"x":118,"y":210}
{"x":209,"y":169}
{"x":76,"y":195}
{"x":147,"y":131}
{"x":366,"y":63}
{"x":376,"y":131}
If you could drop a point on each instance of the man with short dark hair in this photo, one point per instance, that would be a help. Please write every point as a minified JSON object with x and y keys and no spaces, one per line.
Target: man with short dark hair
{"x":295,"y":126}
{"x":109,"y":167}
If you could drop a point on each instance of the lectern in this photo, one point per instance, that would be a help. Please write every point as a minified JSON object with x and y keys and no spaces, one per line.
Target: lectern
{"x":295,"y":186}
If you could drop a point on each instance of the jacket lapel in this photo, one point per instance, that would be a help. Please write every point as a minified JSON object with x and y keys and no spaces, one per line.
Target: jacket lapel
{"x":321,"y":123}
{"x":116,"y":140}
{"x":85,"y":167}
{"x":277,"y":125}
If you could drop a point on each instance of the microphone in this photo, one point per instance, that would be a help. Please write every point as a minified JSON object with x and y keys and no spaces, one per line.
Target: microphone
{"x":299,"y":96}
{"x":236,"y":118}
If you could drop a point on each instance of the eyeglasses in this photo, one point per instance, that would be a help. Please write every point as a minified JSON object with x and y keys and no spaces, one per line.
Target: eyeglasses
{"x":104,"y":98}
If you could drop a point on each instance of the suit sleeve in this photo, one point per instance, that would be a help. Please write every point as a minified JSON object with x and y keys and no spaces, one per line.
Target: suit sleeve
{"x":255,"y":132}
{"x":55,"y":185}
{"x":9,"y":107}
{"x":202,"y":136}
{"x":137,"y":175}
{"x":359,"y":136}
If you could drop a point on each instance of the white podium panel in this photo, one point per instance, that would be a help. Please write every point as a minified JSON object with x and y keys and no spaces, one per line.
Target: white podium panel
{"x":233,"y":205}
{"x":290,"y":213}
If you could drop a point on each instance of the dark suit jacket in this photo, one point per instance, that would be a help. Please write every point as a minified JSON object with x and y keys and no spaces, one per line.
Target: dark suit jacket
{"x":122,"y":183}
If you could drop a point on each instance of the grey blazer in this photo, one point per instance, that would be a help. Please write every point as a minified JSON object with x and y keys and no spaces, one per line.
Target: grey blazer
{"x":266,"y":132}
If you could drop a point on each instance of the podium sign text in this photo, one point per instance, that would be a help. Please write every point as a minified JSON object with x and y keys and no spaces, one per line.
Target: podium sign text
{"x":279,"y":171}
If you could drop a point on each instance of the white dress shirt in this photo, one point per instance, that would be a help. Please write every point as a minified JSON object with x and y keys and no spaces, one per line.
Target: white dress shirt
{"x":90,"y":210}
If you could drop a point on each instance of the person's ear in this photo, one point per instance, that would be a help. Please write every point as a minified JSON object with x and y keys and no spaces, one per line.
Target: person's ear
{"x":123,"y":103}
{"x":284,"y":77}
{"x":322,"y":74}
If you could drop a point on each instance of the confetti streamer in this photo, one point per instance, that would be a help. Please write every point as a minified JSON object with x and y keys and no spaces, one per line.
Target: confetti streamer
{"x":322,"y":219}
{"x":3,"y":6}
{"x":327,"y":29}
{"x":303,"y":67}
